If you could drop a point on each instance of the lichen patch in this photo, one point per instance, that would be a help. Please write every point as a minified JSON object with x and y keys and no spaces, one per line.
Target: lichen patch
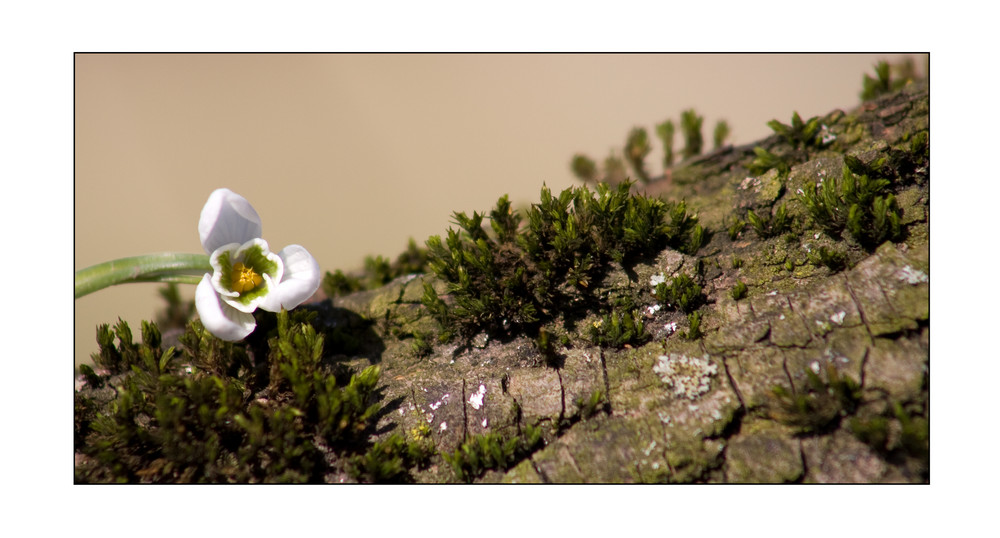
{"x":690,"y":377}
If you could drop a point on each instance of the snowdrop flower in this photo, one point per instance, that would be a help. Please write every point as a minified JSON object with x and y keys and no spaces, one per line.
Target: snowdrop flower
{"x":246,"y":275}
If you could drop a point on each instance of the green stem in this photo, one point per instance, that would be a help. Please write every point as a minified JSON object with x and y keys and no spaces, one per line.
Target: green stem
{"x":164,"y":267}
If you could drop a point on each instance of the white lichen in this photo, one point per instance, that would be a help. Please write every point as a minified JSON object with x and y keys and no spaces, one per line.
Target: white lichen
{"x":656,"y":280}
{"x":912,"y":276}
{"x":690,"y":377}
{"x":476,"y":400}
{"x":838,"y":318}
{"x":750,"y":182}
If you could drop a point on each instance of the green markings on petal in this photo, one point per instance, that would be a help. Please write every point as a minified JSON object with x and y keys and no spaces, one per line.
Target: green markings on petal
{"x":225,"y":268}
{"x":244,"y":275}
{"x":257,"y":259}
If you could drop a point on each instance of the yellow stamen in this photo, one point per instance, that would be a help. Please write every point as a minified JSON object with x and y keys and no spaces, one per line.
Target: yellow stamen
{"x":244,"y":278}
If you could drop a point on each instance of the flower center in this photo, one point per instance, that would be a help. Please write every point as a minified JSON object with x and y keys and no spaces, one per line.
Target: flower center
{"x":244,"y":278}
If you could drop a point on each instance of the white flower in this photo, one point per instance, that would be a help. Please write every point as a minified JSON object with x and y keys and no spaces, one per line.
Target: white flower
{"x":246,"y":274}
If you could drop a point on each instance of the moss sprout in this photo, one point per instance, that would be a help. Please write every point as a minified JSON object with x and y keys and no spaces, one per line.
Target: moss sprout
{"x":637,"y":147}
{"x":584,"y":168}
{"x":665,"y":132}
{"x":377,"y":272}
{"x":391,"y":460}
{"x":833,"y":259}
{"x":694,"y":326}
{"x":618,"y":328}
{"x":883,"y":83}
{"x":859,"y":204}
{"x":588,"y":407}
{"x":739,"y":291}
{"x":691,"y":129}
{"x":764,"y":160}
{"x":492,"y":451}
{"x":720,"y":134}
{"x":770,"y":225}
{"x":820,"y":405}
{"x":800,"y":134}
{"x":682,"y":293}
{"x":614,"y":169}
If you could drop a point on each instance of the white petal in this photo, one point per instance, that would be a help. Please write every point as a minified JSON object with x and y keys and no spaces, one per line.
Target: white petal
{"x":218,"y":317}
{"x":300,"y":280}
{"x":227,"y":218}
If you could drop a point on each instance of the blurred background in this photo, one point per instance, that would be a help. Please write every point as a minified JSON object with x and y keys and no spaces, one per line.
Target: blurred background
{"x":353,"y":155}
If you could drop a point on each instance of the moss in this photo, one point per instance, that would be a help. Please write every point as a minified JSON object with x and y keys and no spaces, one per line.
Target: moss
{"x":637,"y":147}
{"x":764,"y":160}
{"x":665,"y":131}
{"x":720,"y":134}
{"x":588,"y":407}
{"x":691,"y":129}
{"x":618,"y":328}
{"x":518,"y":277}
{"x":682,"y":293}
{"x":492,"y":451}
{"x":739,"y":291}
{"x":883,"y":82}
{"x":584,"y":168}
{"x":377,"y":272}
{"x":801,"y":135}
{"x":694,"y":326}
{"x":861,"y":205}
{"x":392,"y":460}
{"x":818,"y":407}
{"x":209,"y":414}
{"x":834,"y":260}
{"x":770,"y":225}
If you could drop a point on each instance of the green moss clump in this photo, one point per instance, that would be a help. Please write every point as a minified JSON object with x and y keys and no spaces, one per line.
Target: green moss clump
{"x":764,"y":160}
{"x":492,"y":451}
{"x":883,"y":83}
{"x":800,"y":134}
{"x":584,"y":168}
{"x":377,"y":272}
{"x":739,"y":291}
{"x":820,"y":406}
{"x":588,"y":407}
{"x":618,"y":328}
{"x":719,"y":135}
{"x":683,"y":293}
{"x":859,"y":204}
{"x":518,"y":277}
{"x":665,"y":132}
{"x":391,"y":460}
{"x":212,"y":414}
{"x":691,"y":128}
{"x":770,"y":225}
{"x":637,"y":147}
{"x":833,"y":259}
{"x":694,"y":326}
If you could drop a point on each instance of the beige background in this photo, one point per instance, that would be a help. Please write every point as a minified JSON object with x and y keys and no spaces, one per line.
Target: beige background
{"x":351,"y":155}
